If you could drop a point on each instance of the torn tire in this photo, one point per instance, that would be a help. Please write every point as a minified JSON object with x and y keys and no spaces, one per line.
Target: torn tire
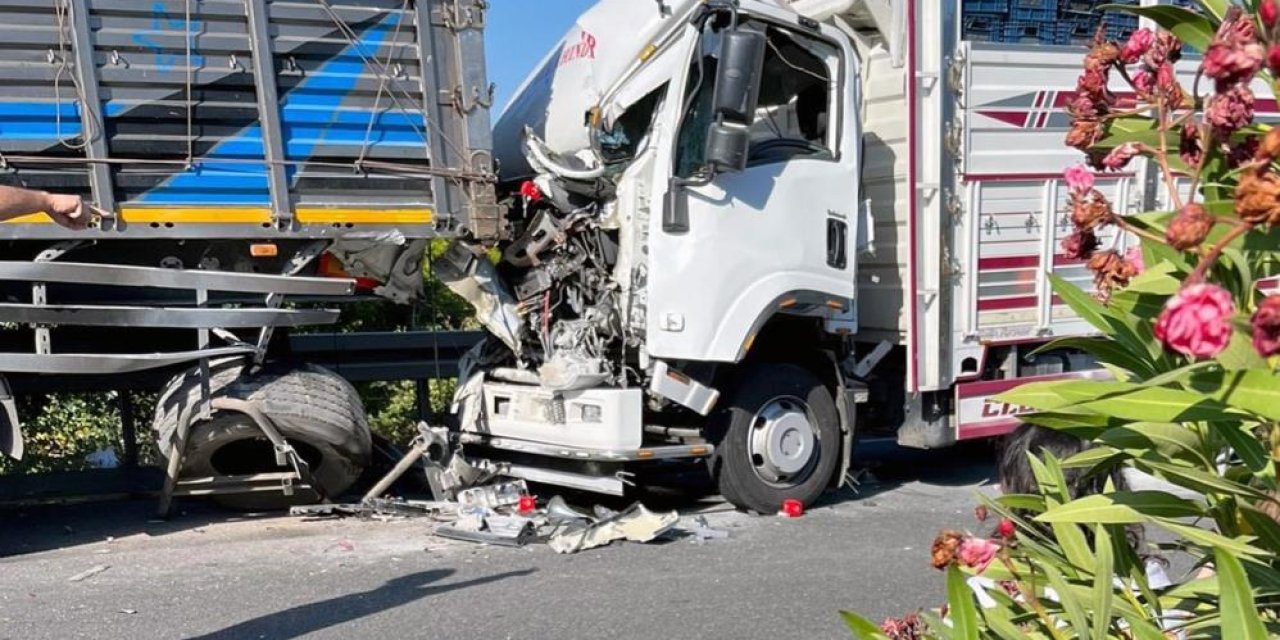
{"x":317,"y":411}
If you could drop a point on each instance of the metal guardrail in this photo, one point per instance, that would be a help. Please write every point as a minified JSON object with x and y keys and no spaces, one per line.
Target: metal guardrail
{"x":358,"y":357}
{"x":368,"y":357}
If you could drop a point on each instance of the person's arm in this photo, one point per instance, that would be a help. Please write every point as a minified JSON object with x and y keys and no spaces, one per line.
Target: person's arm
{"x":68,"y":211}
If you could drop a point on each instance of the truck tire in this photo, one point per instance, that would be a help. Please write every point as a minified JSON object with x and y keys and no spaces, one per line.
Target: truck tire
{"x":779,"y":438}
{"x":317,"y":411}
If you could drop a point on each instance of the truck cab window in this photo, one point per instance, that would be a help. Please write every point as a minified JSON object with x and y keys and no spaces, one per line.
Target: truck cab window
{"x":796,"y":108}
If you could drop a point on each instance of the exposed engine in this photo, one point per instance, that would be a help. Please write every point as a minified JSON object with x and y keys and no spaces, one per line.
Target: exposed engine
{"x":553,"y":296}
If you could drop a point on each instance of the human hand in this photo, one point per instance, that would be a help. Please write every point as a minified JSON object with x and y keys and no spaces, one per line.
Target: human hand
{"x":66,"y":210}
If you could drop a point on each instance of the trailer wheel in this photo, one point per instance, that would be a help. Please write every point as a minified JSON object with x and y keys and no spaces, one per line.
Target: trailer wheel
{"x":780,"y":438}
{"x":316,"y":411}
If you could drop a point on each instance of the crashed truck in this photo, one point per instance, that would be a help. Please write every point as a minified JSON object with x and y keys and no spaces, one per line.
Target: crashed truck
{"x":746,"y":234}
{"x":251,"y":164}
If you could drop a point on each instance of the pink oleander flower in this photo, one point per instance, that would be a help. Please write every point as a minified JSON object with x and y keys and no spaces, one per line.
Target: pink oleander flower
{"x":1144,"y":82}
{"x":1083,"y":106}
{"x":1134,"y":256}
{"x":1093,"y":83}
{"x":1167,"y":48}
{"x":1235,"y":54}
{"x":1079,"y":179}
{"x":1189,"y":228}
{"x":1266,"y":327}
{"x":1231,"y":110}
{"x":1120,"y":156}
{"x":1197,"y":321}
{"x":1138,"y":44}
{"x":1080,"y":245}
{"x":977,"y":553}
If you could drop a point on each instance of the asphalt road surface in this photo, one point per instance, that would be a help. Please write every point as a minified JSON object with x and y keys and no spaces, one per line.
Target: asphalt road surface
{"x":206,"y":574}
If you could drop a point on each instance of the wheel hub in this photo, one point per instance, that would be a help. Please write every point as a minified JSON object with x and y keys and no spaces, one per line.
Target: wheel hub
{"x":783,"y":441}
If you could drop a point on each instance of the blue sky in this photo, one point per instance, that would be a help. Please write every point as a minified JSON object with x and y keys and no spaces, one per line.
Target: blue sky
{"x":520,"y":33}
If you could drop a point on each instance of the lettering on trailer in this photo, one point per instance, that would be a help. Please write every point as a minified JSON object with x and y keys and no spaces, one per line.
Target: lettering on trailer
{"x":993,"y":409}
{"x":980,"y":415}
{"x":585,"y":49}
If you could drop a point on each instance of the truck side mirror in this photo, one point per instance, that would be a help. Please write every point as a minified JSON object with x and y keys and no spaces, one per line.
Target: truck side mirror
{"x":738,"y":76}
{"x":737,"y":94}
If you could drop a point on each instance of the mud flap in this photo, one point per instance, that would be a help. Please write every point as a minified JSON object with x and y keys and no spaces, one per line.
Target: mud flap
{"x":10,"y":428}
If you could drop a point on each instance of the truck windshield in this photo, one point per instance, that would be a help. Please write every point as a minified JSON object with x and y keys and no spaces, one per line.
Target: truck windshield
{"x":797,"y":102}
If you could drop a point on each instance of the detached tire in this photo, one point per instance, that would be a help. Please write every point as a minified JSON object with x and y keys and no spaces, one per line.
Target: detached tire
{"x":779,"y":438}
{"x":316,"y":410}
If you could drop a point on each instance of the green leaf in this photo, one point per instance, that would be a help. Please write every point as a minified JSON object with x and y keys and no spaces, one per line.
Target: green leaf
{"x":1197,"y":480}
{"x":1102,"y":585}
{"x":862,"y":628}
{"x":1143,"y":629}
{"x":937,"y":626}
{"x":1216,"y":8}
{"x":1254,"y":391}
{"x":1086,"y":426}
{"x":1250,"y":450}
{"x":1091,"y":458}
{"x":1037,"y":395}
{"x":1122,"y":507}
{"x":964,"y":612}
{"x":1158,"y":404}
{"x":1105,"y":350}
{"x":1168,"y":439}
{"x":1211,"y":539}
{"x":1158,"y":280}
{"x":1264,"y":527}
{"x":1000,"y":622}
{"x":1190,"y":27}
{"x":1070,"y":603}
{"x":1089,"y":309}
{"x":1022,"y":501}
{"x":1074,"y":544}
{"x":1240,"y":354}
{"x":1048,"y":473}
{"x":1240,"y":616}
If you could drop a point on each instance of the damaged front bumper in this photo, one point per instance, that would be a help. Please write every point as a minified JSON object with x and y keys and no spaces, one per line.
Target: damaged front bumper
{"x":589,"y":439}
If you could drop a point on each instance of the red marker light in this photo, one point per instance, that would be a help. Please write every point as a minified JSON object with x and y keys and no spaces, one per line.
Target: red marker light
{"x":527,"y":504}
{"x":792,"y":508}
{"x":530,"y":191}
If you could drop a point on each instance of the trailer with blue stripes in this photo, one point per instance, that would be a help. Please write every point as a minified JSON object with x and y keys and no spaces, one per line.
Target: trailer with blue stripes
{"x":238,"y":156}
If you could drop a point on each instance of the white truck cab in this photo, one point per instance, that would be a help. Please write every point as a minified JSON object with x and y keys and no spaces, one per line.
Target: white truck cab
{"x":744,"y":232}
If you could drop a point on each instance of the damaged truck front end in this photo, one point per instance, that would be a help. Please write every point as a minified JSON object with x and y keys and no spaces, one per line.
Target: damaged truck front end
{"x":642,"y":105}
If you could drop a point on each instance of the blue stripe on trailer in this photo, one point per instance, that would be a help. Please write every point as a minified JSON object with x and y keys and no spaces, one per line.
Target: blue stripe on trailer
{"x":319,"y":96}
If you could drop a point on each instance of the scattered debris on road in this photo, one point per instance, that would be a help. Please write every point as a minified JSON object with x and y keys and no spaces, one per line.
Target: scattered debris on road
{"x":702,"y":531}
{"x":89,"y":573}
{"x":479,"y":504}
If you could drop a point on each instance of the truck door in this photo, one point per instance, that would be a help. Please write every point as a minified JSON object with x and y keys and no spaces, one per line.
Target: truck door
{"x":779,"y":235}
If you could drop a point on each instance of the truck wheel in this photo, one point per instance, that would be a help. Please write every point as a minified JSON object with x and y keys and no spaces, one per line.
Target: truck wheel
{"x":316,"y":411}
{"x":780,"y":438}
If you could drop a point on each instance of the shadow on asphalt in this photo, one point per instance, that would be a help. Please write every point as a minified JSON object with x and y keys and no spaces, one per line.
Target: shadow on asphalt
{"x":57,"y":526}
{"x":882,"y":465}
{"x":322,"y":614}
